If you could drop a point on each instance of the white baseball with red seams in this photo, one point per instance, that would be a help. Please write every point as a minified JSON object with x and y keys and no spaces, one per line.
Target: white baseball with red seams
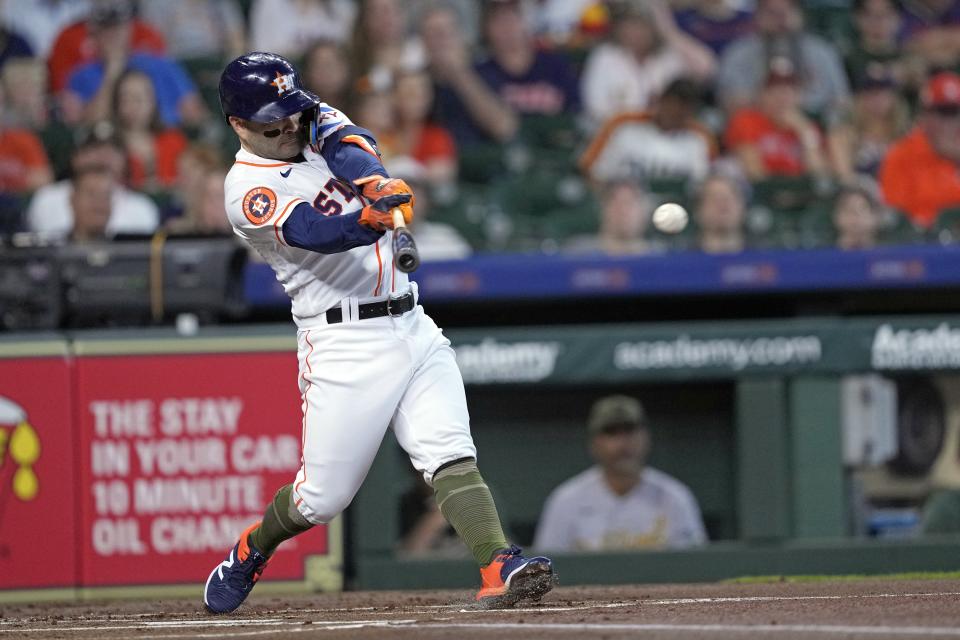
{"x":356,"y":377}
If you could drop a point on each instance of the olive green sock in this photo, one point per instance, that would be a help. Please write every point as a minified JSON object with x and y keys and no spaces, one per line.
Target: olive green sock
{"x":281,"y":521}
{"x":466,"y":503}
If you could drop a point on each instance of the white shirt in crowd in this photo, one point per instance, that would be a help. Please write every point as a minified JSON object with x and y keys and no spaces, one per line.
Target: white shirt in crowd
{"x":614,"y":81}
{"x":50,"y":211}
{"x":583,"y":514}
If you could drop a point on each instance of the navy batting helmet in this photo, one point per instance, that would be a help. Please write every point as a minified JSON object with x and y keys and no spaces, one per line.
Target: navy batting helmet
{"x":263,"y":87}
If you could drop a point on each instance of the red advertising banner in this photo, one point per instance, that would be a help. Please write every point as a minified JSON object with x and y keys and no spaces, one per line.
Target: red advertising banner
{"x":37,"y":475}
{"x":179,"y":454}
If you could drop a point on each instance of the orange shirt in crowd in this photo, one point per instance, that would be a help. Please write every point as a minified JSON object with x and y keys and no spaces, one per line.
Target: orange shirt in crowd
{"x":21,"y":153}
{"x":167,"y":147}
{"x":74,"y":48}
{"x":917,"y":181}
{"x":434,"y":143}
{"x":779,"y":148}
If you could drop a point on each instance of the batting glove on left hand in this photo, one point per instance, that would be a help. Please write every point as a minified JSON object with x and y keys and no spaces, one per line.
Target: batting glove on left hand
{"x":376,"y":187}
{"x":378,"y":215}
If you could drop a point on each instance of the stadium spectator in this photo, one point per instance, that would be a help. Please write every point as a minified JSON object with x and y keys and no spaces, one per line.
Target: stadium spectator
{"x":49,"y":211}
{"x":196,"y":29}
{"x":720,"y":214}
{"x":91,"y":203}
{"x":880,"y":116}
{"x":207,"y":214}
{"x":647,"y":51}
{"x":529,"y":80}
{"x":856,"y":218}
{"x":90,"y":88}
{"x":41,"y":22}
{"x":13,"y":46}
{"x":665,"y":142}
{"x":775,"y":137}
{"x":415,"y":136}
{"x":152,"y":148}
{"x":77,"y":44}
{"x":570,"y":24}
{"x":381,"y":46}
{"x":625,"y":210}
{"x":931,"y":30}
{"x":876,"y":49}
{"x":779,"y":33}
{"x":464,"y":104}
{"x":620,"y":503}
{"x":25,"y":87}
{"x":326,"y":72}
{"x":24,"y":165}
{"x":921,"y":172}
{"x":197,"y":161}
{"x":716,"y":23}
{"x":288,"y":27}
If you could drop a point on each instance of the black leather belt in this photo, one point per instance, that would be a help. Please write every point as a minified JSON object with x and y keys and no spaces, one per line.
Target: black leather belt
{"x":388,"y":307}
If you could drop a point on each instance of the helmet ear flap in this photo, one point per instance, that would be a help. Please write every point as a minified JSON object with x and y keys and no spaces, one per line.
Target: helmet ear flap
{"x":309,"y":120}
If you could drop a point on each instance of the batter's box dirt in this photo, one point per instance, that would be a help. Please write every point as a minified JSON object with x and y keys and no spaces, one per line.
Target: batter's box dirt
{"x":874,"y":609}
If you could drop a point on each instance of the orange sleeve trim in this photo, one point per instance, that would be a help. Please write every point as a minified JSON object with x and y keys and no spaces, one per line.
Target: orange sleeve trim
{"x":255,"y":164}
{"x":596,"y":146}
{"x":276,"y":223}
{"x":361,"y":142}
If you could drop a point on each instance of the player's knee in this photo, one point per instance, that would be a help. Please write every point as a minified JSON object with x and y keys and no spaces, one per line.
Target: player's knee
{"x":322,"y":506}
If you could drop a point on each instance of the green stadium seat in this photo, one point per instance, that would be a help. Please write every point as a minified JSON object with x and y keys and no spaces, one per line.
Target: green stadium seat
{"x":783,"y":193}
{"x":59,"y":142}
{"x":481,"y":163}
{"x":946,"y":227}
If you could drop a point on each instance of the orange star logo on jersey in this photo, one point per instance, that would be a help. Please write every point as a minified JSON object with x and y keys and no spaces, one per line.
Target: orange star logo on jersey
{"x":259,"y":205}
{"x":283,"y":83}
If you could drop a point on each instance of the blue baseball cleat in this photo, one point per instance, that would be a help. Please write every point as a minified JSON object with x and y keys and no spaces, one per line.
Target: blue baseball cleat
{"x":511,"y":578}
{"x":232,"y":580}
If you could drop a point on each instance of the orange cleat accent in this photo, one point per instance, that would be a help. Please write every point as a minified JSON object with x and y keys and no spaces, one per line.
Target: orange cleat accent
{"x":510,"y":577}
{"x":243,"y":549}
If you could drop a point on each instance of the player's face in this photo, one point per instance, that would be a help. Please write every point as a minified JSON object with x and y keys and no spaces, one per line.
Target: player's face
{"x":279,"y":140}
{"x":621,"y":451}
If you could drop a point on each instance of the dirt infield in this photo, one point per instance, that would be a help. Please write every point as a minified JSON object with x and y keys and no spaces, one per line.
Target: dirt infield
{"x":863,"y":609}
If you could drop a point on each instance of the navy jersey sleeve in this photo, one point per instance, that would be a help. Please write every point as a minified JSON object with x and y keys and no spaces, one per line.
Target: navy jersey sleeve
{"x":309,"y":229}
{"x":351,"y":153}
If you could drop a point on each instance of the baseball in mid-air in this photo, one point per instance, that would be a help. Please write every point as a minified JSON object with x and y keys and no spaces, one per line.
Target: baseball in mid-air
{"x":670,"y":218}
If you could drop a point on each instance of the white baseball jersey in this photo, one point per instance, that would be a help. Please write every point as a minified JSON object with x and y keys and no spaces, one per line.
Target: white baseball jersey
{"x":261,"y":194}
{"x":356,"y":377}
{"x":583,"y":514}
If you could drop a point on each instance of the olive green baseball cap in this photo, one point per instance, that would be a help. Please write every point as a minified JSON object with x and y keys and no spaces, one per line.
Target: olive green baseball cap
{"x":616,"y":411}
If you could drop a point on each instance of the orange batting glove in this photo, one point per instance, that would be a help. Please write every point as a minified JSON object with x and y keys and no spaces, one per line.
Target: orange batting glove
{"x":378,"y":215}
{"x":376,"y":187}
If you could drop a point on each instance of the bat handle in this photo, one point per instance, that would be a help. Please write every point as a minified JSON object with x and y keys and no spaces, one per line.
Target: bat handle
{"x":398,"y":221}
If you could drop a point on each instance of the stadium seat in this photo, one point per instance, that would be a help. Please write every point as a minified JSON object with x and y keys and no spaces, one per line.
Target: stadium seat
{"x":946,"y":227}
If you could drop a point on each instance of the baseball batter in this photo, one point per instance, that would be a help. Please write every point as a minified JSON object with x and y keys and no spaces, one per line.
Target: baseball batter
{"x":309,"y":193}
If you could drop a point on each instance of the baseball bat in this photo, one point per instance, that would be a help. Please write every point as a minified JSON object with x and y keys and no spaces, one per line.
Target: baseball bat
{"x":405,"y":254}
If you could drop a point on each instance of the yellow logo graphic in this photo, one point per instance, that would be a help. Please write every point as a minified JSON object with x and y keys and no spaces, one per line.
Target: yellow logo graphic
{"x":20,"y":440}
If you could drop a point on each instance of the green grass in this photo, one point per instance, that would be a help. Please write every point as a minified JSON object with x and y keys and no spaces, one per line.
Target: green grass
{"x":916,"y":575}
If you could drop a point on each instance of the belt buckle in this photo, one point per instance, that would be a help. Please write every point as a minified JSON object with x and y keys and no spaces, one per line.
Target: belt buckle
{"x":393,"y":302}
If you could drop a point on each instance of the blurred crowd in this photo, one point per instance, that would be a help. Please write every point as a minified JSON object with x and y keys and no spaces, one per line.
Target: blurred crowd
{"x":524,"y":125}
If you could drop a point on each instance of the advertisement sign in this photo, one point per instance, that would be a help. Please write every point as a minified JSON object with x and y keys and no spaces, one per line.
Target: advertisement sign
{"x":37,"y":475}
{"x":179,"y":454}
